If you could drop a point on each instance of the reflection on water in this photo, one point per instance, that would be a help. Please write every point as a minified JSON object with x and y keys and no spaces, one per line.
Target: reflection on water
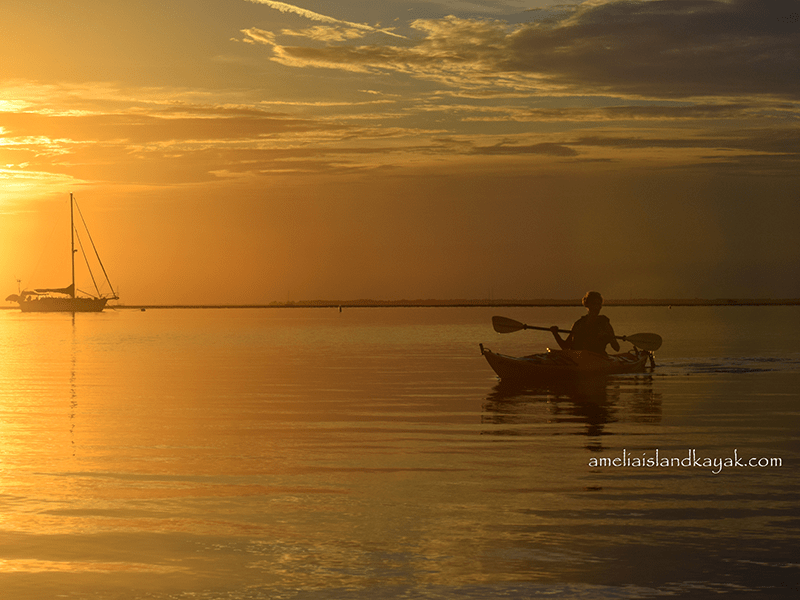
{"x":305,"y":454}
{"x":73,"y":387}
{"x":591,"y":404}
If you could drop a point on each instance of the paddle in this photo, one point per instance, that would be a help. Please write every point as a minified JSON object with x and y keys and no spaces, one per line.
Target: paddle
{"x":645,"y":341}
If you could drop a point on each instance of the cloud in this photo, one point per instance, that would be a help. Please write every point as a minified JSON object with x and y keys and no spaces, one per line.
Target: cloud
{"x":634,"y":48}
{"x":666,"y":48}
{"x":760,"y":140}
{"x":323,"y":33}
{"x":151,"y":136}
{"x":547,"y":149}
{"x":452,"y":50}
{"x":313,"y":16}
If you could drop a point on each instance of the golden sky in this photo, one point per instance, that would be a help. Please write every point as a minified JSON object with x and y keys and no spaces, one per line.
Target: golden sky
{"x":250,"y":151}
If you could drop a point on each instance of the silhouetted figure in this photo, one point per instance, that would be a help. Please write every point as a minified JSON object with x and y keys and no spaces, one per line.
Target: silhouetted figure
{"x":592,"y":331}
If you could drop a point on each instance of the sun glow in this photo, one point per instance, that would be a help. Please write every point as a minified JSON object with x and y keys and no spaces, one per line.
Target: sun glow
{"x":18,"y":186}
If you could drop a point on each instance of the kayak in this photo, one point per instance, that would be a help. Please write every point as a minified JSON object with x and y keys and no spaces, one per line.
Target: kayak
{"x":566,"y":364}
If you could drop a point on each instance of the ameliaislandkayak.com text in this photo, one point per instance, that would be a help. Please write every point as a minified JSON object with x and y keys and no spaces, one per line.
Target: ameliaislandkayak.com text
{"x":690,"y":460}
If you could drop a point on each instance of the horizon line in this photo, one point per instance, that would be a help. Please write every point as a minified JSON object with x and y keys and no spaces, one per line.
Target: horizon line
{"x":432,"y":303}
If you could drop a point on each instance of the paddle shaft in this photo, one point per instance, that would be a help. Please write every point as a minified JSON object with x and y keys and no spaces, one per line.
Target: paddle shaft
{"x":645,"y":341}
{"x":545,"y":328}
{"x":619,"y":337}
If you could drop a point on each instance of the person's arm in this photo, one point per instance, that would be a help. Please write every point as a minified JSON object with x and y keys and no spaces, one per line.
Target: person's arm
{"x":613,"y":338}
{"x":563,"y":344}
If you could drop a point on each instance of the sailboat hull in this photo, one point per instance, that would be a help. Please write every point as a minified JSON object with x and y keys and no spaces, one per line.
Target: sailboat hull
{"x":63,"y":305}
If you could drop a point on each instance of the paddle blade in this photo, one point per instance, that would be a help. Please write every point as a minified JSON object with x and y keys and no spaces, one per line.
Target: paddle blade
{"x":645,"y":341}
{"x":506,"y":325}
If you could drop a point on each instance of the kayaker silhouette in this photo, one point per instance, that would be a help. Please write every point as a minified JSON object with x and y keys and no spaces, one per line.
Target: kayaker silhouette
{"x":592,"y":331}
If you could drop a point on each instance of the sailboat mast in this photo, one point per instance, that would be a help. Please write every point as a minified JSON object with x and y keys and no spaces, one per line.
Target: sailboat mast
{"x":72,"y":237}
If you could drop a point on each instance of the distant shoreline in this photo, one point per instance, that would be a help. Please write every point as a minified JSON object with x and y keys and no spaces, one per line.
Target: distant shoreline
{"x":545,"y":303}
{"x":548,"y":303}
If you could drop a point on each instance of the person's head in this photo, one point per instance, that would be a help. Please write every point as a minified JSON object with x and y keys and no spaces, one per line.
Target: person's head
{"x":593,"y":301}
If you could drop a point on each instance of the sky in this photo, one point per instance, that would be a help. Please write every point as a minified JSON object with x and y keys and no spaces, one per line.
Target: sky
{"x":251,"y":151}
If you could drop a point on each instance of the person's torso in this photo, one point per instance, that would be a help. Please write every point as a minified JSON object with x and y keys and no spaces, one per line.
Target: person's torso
{"x":591,"y":334}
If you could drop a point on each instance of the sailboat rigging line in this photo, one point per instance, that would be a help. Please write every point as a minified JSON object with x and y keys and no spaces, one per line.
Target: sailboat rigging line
{"x":86,"y":260}
{"x":96,"y":253}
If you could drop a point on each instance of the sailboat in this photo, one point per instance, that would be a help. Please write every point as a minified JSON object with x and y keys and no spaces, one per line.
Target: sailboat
{"x":66,"y":299}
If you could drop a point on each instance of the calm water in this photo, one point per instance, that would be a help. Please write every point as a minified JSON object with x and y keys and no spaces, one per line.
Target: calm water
{"x":307,"y":453}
